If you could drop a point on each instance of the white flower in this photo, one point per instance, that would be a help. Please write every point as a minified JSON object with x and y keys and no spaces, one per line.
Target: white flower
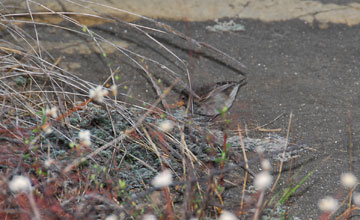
{"x":51,"y":112}
{"x":266,"y":165}
{"x":149,"y":217}
{"x":47,"y":129}
{"x":348,"y":180}
{"x":113,"y":89}
{"x":98,"y":93}
{"x":226,"y":215}
{"x":84,"y":136}
{"x":162,"y":179}
{"x":263,"y":180}
{"x":328,"y":204}
{"x":166,"y":126}
{"x":20,"y":184}
{"x":259,"y":149}
{"x":356,"y":198}
{"x":111,"y":217}
{"x":48,"y":162}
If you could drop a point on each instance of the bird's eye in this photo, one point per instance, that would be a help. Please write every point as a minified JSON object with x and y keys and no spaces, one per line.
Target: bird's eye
{"x":183,"y":97}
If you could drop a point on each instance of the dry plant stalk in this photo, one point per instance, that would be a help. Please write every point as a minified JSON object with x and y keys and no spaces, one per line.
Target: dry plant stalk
{"x":284,"y":151}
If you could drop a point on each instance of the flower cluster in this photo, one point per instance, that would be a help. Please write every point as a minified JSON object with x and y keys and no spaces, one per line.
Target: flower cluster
{"x":98,"y":94}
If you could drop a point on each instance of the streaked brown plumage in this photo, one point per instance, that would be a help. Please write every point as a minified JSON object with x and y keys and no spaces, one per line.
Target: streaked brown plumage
{"x":212,"y":100}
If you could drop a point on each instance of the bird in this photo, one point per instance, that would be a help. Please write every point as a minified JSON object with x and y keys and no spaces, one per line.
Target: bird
{"x":214,"y":99}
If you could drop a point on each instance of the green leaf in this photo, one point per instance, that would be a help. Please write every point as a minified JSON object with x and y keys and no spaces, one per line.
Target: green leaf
{"x":122,"y":184}
{"x":225,"y":109}
{"x":84,"y":29}
{"x":39,"y":172}
{"x":223,"y":155}
{"x":71,"y":144}
{"x":290,"y":191}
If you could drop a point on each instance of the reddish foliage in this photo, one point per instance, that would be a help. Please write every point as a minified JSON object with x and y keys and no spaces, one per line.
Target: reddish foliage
{"x":11,"y":154}
{"x":22,"y":200}
{"x":133,"y":134}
